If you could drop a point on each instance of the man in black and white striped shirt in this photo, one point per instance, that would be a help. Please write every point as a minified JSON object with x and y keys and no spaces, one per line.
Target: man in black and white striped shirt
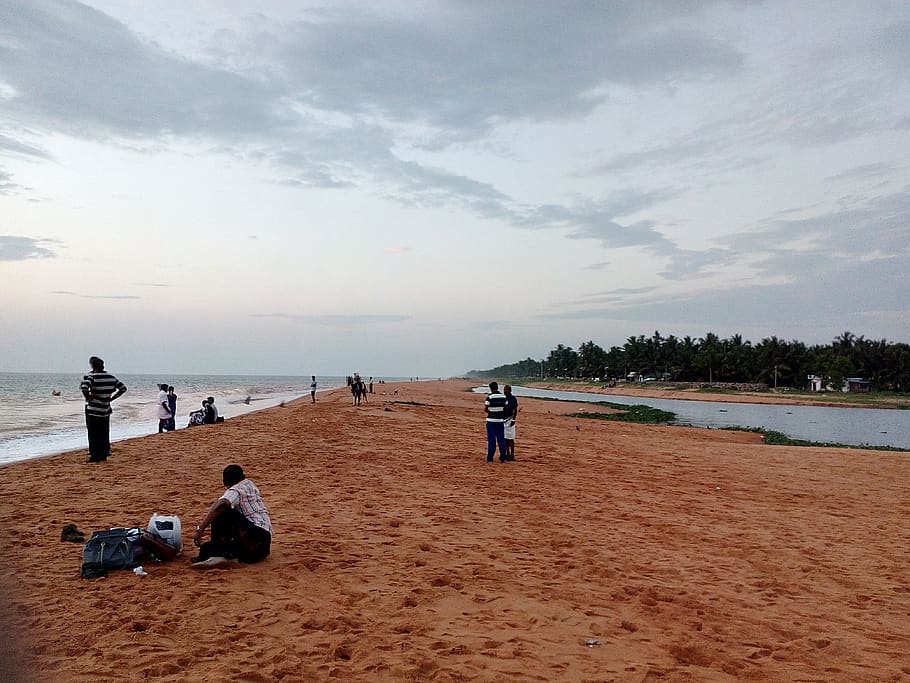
{"x":99,"y":388}
{"x":494,"y":407}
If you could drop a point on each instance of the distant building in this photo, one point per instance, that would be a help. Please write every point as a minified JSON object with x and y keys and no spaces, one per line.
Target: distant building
{"x":816,"y":383}
{"x":857,"y":385}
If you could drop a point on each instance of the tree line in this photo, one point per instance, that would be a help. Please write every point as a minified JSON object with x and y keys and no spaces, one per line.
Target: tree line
{"x":772,"y":361}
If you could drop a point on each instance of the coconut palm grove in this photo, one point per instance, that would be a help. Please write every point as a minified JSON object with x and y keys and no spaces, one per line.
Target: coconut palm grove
{"x":773,"y":362}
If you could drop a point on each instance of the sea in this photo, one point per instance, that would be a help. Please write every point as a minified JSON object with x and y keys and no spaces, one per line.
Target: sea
{"x":36,"y":422}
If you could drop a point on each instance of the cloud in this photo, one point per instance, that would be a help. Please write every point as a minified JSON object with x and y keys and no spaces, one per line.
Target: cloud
{"x":601,"y":265}
{"x":462,"y":68}
{"x":116,"y":297}
{"x":18,"y":248}
{"x":11,"y":146}
{"x":7,"y":186}
{"x":832,"y":299}
{"x":831,"y":270}
{"x":397,"y":250}
{"x":74,"y":69}
{"x":435,"y":67}
{"x":315,"y":179}
{"x":330,"y":101}
{"x":871,"y":226}
{"x":335,"y":320}
{"x":618,"y":296}
{"x":272,"y":89}
{"x":597,"y":219}
{"x":688,"y":263}
{"x":866,"y":172}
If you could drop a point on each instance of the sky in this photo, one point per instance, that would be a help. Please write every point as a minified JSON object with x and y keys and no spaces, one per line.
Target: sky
{"x":425,"y":188}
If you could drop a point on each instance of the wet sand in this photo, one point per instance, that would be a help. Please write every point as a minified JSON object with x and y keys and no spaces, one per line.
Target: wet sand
{"x":399,"y":555}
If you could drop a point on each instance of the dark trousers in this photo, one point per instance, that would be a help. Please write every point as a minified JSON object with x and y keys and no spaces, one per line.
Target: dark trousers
{"x":496,"y":435}
{"x":99,"y":436}
{"x":236,"y":538}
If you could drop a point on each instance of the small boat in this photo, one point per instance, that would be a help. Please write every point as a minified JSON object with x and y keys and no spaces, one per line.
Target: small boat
{"x":55,"y":393}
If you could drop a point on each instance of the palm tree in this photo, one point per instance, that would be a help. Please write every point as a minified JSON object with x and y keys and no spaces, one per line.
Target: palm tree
{"x":710,"y":351}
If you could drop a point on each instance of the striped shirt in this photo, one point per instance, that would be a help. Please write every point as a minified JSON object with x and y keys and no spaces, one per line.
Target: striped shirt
{"x":496,"y":406}
{"x":98,"y":387}
{"x":245,"y":498}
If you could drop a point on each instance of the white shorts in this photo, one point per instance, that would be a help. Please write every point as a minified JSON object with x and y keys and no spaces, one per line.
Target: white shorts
{"x":509,"y":429}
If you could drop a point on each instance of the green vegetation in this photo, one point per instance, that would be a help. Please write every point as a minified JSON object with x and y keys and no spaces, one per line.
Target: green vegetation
{"x":772,"y":362}
{"x":780,"y":439}
{"x":637,"y":413}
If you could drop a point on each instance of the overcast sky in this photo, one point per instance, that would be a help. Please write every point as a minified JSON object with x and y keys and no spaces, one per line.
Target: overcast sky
{"x":423,"y":188}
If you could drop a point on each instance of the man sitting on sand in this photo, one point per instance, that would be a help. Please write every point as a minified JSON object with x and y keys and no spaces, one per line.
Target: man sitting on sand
{"x":241,"y":526}
{"x":211,"y":412}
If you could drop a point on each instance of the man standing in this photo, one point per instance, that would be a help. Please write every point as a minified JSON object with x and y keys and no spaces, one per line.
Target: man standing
{"x":313,"y":389}
{"x":494,"y":407}
{"x":511,"y":414}
{"x":172,"y":406}
{"x":241,"y":526}
{"x":99,"y":389}
{"x":164,"y":409}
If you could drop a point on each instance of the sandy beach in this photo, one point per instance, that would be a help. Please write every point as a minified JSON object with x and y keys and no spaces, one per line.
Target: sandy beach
{"x":607,"y":552}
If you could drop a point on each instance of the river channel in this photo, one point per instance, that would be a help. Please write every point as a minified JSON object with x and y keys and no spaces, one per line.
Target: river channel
{"x":851,"y":426}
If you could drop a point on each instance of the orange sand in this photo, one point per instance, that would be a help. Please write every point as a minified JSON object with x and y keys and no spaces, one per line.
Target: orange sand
{"x":688,"y":554}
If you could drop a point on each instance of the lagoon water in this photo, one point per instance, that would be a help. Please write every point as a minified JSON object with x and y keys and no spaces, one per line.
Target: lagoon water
{"x":851,"y":426}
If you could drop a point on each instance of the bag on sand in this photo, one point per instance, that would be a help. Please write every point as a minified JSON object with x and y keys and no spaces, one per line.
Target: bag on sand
{"x":168,"y":529}
{"x":111,"y":549}
{"x":155,"y":548}
{"x":123,"y":548}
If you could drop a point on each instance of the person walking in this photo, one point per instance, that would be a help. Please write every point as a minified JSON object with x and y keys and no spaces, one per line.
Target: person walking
{"x":510,"y":415}
{"x":99,"y":388}
{"x":494,"y":407}
{"x":313,"y":389}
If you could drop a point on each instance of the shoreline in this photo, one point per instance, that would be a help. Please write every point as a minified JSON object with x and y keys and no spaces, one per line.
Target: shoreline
{"x":122,"y":431}
{"x":686,"y":553}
